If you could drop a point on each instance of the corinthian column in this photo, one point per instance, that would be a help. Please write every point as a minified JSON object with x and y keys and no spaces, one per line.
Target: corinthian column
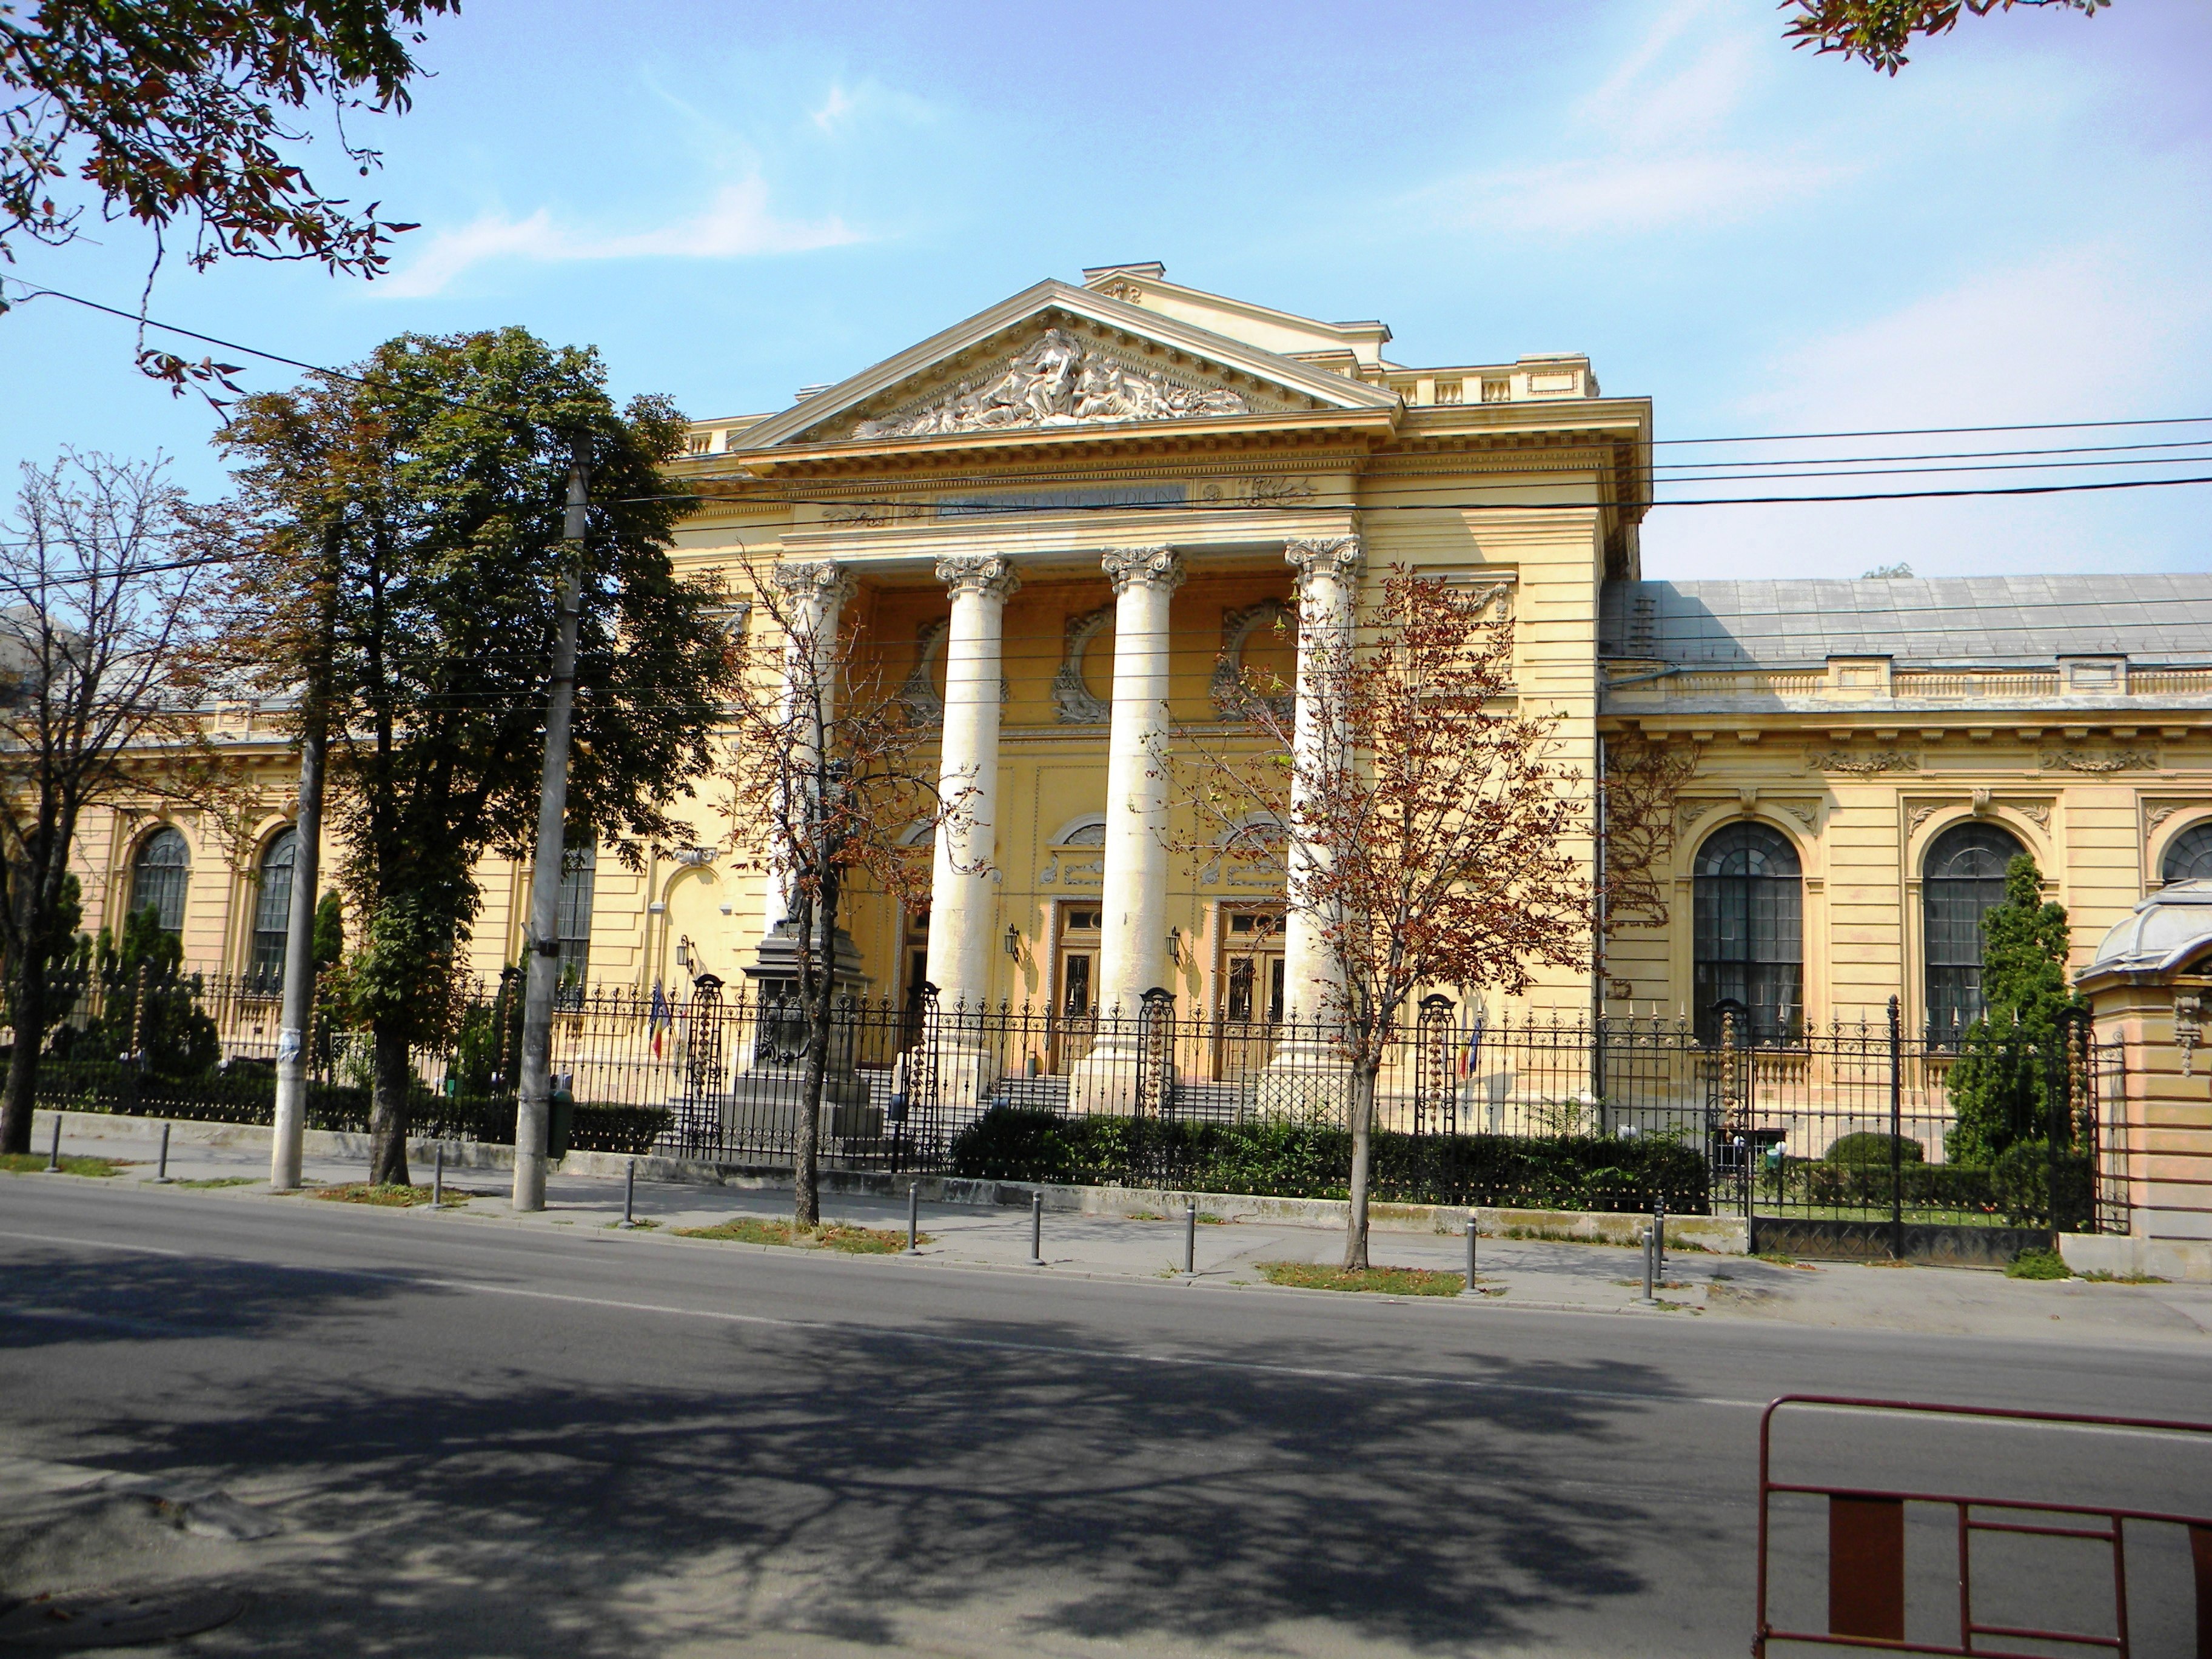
{"x":814,"y":595}
{"x":1328,"y":577}
{"x":1134,"y":919}
{"x":960,"y":900}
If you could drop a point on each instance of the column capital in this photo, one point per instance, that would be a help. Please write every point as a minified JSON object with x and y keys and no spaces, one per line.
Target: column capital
{"x":1143,"y":566}
{"x":823,"y":580}
{"x":1325,"y":555}
{"x":985,"y":574}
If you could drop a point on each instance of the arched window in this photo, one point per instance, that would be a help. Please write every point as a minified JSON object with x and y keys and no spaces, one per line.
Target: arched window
{"x":272,"y":911}
{"x":1962,"y":875}
{"x":2190,"y":857}
{"x":158,"y":876}
{"x":1749,"y":904}
{"x":572,"y":923}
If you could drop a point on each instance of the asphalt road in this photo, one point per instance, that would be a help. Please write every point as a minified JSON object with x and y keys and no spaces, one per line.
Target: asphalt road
{"x":482,"y":1438}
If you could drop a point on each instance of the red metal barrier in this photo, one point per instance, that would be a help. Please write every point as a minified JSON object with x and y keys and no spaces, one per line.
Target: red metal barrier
{"x":1866,"y":1544}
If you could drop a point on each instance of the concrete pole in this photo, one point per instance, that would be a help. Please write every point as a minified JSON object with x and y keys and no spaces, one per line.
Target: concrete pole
{"x":961,"y":911}
{"x":543,"y":943}
{"x":1134,"y":919}
{"x":289,"y":1135}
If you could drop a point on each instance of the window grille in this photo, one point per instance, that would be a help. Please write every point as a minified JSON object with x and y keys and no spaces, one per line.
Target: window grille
{"x":1747,"y":898}
{"x":2190,"y":857}
{"x":1962,"y":875}
{"x":159,"y":877}
{"x":272,"y":911}
{"x":572,"y":926}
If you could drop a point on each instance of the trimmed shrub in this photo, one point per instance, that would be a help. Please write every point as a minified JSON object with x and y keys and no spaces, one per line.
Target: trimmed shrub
{"x":1867,"y":1146}
{"x":1279,"y":1159}
{"x":2022,"y":1183}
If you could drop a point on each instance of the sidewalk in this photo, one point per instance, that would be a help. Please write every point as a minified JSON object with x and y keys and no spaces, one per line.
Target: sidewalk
{"x":1515,"y":1273}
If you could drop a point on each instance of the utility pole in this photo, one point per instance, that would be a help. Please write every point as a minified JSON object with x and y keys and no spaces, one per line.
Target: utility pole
{"x":299,"y":1007}
{"x":531,"y":1106}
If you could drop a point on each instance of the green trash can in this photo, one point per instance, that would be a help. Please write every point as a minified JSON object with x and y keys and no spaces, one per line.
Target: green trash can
{"x":564,"y":1116}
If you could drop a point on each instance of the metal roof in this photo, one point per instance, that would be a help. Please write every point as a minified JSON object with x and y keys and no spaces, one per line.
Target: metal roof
{"x":1992,"y":620}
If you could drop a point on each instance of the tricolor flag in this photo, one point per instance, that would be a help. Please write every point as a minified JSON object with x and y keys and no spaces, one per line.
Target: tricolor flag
{"x":1473,"y":1046}
{"x":662,"y":1020}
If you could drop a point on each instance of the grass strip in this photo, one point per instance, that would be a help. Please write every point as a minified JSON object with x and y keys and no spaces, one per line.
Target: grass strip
{"x":388,"y":1195}
{"x":1385,"y":1281}
{"x":853,"y":1241}
{"x":35,"y":1163}
{"x":217,"y":1180}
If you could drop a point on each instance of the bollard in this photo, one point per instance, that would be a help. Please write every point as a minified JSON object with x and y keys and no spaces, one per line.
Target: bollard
{"x":1036,"y":1230}
{"x":161,"y":1164}
{"x":1644,"y":1238}
{"x":438,"y":1179}
{"x":630,"y":1194}
{"x":54,"y":1152}
{"x":914,"y":1221}
{"x":1659,"y":1236}
{"x":1470,"y":1289}
{"x":1190,"y":1241}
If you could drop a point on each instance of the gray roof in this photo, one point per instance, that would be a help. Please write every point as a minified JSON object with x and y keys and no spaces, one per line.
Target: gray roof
{"x":1994,"y":620}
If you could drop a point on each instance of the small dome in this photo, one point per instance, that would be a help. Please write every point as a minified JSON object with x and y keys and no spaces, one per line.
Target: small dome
{"x":2163,"y":934}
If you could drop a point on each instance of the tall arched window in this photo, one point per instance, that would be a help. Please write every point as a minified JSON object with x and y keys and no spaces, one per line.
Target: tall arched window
{"x":572,"y":914}
{"x":158,"y":877}
{"x":2190,"y":857}
{"x":1962,"y":875}
{"x":272,"y":911}
{"x":1749,"y":904}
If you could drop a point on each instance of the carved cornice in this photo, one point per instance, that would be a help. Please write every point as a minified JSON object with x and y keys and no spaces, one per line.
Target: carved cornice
{"x":1060,"y":379}
{"x":1072,"y":699}
{"x":1326,"y":556}
{"x":1142,"y":567}
{"x":2108,"y":760}
{"x":1862,"y":765}
{"x":985,"y":574}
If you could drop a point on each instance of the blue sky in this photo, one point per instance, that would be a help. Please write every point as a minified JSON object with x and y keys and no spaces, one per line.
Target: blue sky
{"x":733,"y":200}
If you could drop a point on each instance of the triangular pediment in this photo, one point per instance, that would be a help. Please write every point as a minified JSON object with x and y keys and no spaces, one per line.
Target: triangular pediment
{"x":1056,"y":357}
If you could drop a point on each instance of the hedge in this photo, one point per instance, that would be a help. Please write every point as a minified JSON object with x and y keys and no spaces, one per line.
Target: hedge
{"x":1288,"y":1160}
{"x":247,"y":1094}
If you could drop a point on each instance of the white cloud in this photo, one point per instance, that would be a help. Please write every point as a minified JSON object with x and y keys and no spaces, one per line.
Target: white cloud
{"x":1649,"y":148}
{"x":736,"y":225}
{"x":836,"y":106}
{"x":2097,"y":332}
{"x":1614,"y":194}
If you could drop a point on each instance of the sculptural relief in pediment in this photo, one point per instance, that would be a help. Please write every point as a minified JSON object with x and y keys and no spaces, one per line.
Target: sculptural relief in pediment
{"x":1062,"y":379}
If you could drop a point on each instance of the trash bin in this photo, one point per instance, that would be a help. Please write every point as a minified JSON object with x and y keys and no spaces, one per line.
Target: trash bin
{"x":563,"y":1116}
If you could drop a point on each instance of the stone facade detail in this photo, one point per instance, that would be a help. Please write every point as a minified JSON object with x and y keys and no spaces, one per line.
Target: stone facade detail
{"x":1059,"y":380}
{"x":1073,"y":701}
{"x":1142,"y":567}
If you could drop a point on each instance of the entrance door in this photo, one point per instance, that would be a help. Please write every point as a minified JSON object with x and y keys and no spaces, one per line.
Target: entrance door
{"x":1075,"y":986}
{"x":1251,"y":995}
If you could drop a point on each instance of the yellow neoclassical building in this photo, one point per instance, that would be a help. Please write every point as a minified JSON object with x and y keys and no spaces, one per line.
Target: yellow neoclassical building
{"x":1090,"y":496}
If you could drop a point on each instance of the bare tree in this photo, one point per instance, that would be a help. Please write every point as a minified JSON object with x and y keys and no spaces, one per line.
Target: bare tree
{"x":829,"y":786}
{"x":1427,"y":830}
{"x":1639,"y":793}
{"x":100,"y":573}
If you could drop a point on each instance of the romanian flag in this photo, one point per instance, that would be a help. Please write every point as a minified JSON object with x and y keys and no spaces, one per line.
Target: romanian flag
{"x":1467,"y":1058}
{"x":662,"y":1020}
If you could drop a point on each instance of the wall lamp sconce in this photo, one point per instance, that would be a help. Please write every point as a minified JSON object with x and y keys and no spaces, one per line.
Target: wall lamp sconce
{"x":1013,"y":941}
{"x":683,"y":951}
{"x":1174,"y":947}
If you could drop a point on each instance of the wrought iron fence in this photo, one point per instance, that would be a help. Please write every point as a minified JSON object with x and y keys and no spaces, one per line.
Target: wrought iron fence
{"x":1852,"y":1122}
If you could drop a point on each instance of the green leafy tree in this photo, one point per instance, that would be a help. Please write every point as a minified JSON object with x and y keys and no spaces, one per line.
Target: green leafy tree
{"x":144,"y":990}
{"x":1877,"y":31}
{"x":191,"y":111}
{"x":2011,"y":1058}
{"x":427,"y":486}
{"x":330,"y":932}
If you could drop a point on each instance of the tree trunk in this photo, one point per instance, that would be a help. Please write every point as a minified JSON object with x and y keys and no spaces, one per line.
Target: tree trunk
{"x":387,"y":1118}
{"x":1362,"y":1140}
{"x":29,"y":1001}
{"x":820,"y":920}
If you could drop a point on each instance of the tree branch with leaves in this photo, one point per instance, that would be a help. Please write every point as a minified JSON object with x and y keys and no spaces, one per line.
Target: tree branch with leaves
{"x":1429,"y":830}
